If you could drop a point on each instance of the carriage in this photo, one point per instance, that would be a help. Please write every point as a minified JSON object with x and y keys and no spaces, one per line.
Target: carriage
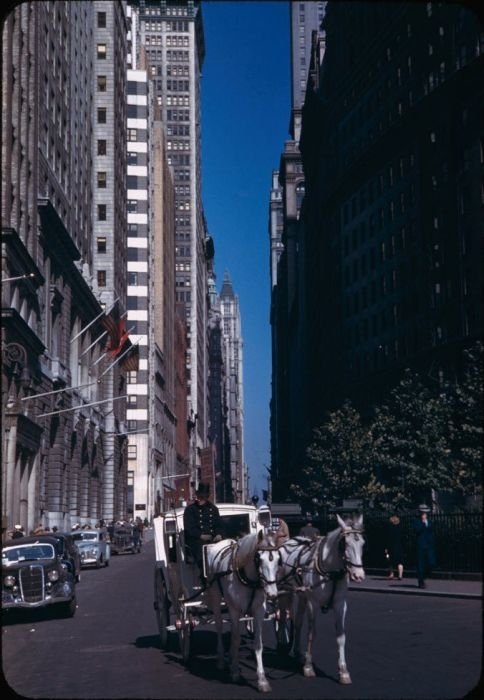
{"x":311,"y":573}
{"x":178,"y":600}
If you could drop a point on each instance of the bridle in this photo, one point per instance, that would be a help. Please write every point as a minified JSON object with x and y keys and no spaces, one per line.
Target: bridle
{"x":347,"y":562}
{"x":271,"y":549}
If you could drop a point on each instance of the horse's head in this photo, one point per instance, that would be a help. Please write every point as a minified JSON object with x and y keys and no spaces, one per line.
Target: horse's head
{"x":353,"y":541}
{"x":268,"y":561}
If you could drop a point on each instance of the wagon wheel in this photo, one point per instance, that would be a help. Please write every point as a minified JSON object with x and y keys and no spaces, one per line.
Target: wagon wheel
{"x":284,"y":629}
{"x":161,"y":609}
{"x":185,"y":633}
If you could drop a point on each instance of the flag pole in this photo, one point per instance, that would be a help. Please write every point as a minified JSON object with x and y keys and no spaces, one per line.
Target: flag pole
{"x":56,"y":391}
{"x":103,"y":312}
{"x":94,"y":343}
{"x":119,"y":358}
{"x":82,"y":405}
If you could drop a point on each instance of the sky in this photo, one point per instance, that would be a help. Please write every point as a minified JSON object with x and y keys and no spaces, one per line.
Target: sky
{"x":245,"y":119}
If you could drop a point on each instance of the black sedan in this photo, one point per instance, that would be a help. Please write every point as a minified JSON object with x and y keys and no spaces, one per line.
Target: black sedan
{"x":34,"y":576}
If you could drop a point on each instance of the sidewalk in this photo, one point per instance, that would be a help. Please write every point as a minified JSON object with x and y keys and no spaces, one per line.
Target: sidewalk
{"x":445,"y":588}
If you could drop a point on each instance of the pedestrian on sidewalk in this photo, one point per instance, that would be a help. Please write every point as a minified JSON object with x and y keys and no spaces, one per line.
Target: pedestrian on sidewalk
{"x":425,"y":544}
{"x":309,"y":530}
{"x":394,"y":548}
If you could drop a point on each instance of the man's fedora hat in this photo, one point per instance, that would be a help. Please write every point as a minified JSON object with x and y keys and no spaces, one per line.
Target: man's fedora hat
{"x":424,"y":508}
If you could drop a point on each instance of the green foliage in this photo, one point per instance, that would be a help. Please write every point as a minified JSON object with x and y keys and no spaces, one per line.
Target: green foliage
{"x":339,"y":461}
{"x":426,"y":436}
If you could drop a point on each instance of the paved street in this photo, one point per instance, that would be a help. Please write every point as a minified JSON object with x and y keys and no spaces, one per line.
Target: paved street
{"x":415,"y":647}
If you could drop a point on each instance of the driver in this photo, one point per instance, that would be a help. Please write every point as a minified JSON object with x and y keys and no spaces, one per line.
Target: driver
{"x":202,"y":524}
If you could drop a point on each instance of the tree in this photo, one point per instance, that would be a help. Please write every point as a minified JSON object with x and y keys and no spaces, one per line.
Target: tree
{"x":465,"y":426}
{"x":411,"y":442}
{"x":338,"y":462}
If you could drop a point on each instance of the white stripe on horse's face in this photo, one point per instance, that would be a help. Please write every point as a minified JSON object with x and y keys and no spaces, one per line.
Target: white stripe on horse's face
{"x":268,"y":566}
{"x":353,"y":553}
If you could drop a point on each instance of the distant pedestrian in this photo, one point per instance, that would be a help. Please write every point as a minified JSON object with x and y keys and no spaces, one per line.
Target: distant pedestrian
{"x":309,"y":530}
{"x":18,"y":531}
{"x":394,"y":548}
{"x":425,"y":544}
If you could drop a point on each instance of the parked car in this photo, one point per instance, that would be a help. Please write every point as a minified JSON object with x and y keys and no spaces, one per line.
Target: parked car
{"x":67,"y":550}
{"x":35,"y":576}
{"x":93,"y":546}
{"x":125,"y":538}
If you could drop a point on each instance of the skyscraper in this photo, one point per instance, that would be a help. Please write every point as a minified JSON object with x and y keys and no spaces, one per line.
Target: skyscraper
{"x":172,"y":34}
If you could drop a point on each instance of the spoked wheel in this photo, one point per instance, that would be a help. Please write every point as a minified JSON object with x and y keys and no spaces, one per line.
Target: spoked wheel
{"x":284,"y":629}
{"x":185,"y":633}
{"x":161,"y":609}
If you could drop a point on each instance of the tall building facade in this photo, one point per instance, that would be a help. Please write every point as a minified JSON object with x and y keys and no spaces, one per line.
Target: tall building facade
{"x":392,"y":151}
{"x":234,"y":395}
{"x":288,"y":312}
{"x":62,"y":411}
{"x":172,"y":33}
{"x":305,"y":17}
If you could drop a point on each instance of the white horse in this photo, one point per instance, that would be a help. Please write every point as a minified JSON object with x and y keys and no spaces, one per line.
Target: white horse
{"x":244,"y":573}
{"x":316,"y":573}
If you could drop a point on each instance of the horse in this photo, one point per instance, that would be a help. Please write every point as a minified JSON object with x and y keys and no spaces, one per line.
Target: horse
{"x":315,"y":573}
{"x":243,"y":573}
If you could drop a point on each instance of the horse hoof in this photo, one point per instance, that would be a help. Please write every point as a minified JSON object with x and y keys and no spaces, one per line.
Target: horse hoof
{"x":264,"y":687}
{"x":345,"y":678}
{"x":309,"y":672}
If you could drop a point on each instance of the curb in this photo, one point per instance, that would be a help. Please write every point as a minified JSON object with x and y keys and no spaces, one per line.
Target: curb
{"x":426,"y":592}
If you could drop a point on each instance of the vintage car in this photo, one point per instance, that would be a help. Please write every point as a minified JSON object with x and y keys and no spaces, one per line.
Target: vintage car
{"x":125,"y":538}
{"x":93,"y":546}
{"x":67,"y":550}
{"x":35,"y":576}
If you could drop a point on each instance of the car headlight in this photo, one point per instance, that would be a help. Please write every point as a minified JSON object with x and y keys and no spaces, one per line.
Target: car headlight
{"x":9,"y":581}
{"x":53,"y":575}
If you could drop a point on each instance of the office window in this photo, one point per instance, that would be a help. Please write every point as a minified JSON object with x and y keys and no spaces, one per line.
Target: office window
{"x":132,"y":451}
{"x":102,"y":83}
{"x":101,"y":51}
{"x":101,"y":244}
{"x":132,"y":134}
{"x":101,"y":20}
{"x":101,"y":212}
{"x":102,"y":115}
{"x":101,"y":179}
{"x":101,"y":278}
{"x":101,"y":147}
{"x":132,"y":279}
{"x":132,"y":400}
{"x":132,"y":377}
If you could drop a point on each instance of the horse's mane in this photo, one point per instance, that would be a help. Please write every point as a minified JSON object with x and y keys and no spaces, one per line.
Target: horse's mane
{"x":246,"y":547}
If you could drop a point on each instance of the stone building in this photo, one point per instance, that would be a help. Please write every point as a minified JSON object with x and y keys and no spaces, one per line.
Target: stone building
{"x":62,"y":439}
{"x":172,"y":35}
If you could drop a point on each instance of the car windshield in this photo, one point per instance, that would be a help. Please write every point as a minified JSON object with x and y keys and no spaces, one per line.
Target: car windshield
{"x":85,"y":536}
{"x":27,"y":552}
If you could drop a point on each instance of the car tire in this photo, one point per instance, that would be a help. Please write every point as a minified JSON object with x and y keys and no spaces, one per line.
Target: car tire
{"x":69,"y":609}
{"x":106,"y":562}
{"x":78,"y":577}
